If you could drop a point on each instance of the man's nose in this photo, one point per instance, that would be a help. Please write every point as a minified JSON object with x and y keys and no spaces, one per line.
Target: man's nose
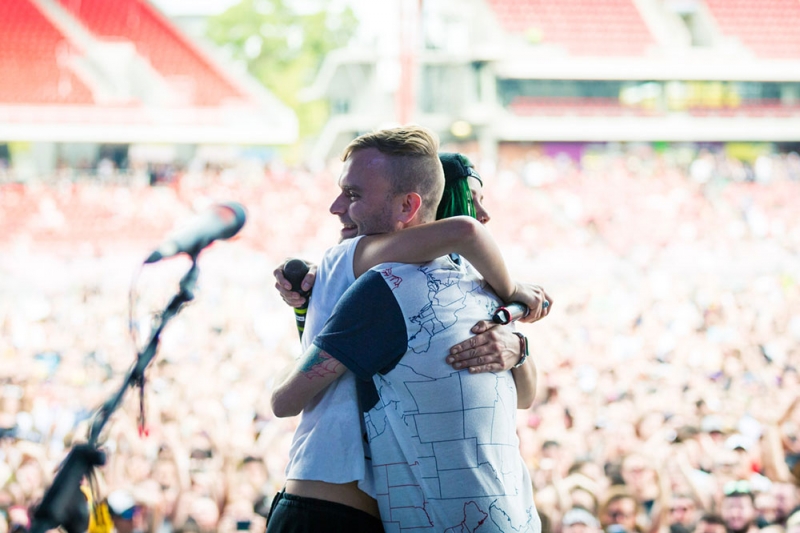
{"x":338,"y":206}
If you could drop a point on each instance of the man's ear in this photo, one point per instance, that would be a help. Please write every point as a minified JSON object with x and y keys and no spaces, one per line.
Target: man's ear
{"x":410,"y":207}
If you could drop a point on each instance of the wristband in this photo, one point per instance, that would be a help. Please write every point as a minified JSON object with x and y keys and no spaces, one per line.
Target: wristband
{"x":523,"y":348}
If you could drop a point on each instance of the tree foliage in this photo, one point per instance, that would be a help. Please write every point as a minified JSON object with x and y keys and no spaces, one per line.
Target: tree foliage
{"x":283,"y":43}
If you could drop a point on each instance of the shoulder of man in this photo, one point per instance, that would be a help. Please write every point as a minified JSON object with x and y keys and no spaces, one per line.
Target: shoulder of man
{"x":338,"y":257}
{"x":345,"y":247}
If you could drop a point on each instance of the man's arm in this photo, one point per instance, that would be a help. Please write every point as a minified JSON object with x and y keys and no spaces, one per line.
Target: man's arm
{"x":525,"y":378}
{"x":462,"y":235}
{"x":366,"y":332}
{"x":494,"y":348}
{"x":314,"y":371}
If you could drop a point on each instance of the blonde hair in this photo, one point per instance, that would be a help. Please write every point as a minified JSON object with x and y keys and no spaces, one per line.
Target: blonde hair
{"x":412,"y":162}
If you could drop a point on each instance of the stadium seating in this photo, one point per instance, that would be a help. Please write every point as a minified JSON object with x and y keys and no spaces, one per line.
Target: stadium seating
{"x":558,"y":106}
{"x":767,"y":27}
{"x":583,"y":27}
{"x":34,"y":59}
{"x":752,"y":108}
{"x":177,"y":59}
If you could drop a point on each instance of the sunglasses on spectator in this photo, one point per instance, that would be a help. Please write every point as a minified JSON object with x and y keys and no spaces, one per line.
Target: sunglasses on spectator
{"x":736,"y":487}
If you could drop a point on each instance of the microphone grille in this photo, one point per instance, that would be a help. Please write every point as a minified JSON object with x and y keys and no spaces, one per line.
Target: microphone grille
{"x":294,"y":271}
{"x":234,"y":216}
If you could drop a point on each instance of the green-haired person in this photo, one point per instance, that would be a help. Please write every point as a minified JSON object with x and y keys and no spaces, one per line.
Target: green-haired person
{"x":391,"y":186}
{"x":463,"y":189}
{"x":492,"y":348}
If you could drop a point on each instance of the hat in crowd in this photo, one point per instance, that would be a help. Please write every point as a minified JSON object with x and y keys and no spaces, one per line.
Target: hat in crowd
{"x":737,"y":441}
{"x":750,"y":428}
{"x":711,"y":423}
{"x":579,"y":515}
{"x":121,"y":504}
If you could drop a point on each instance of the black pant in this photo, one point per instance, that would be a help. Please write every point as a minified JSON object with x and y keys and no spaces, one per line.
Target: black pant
{"x":297,"y":514}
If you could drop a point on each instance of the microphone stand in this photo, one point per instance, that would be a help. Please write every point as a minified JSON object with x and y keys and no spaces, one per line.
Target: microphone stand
{"x":63,"y":504}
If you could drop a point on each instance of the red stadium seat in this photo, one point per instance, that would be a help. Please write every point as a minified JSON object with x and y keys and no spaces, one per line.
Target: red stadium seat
{"x":559,"y":106}
{"x":34,"y":59}
{"x":768,"y":27}
{"x":583,"y":27}
{"x":155,"y":38}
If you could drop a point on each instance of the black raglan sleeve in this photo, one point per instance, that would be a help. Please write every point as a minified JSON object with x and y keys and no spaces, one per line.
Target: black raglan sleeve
{"x":366,"y":331}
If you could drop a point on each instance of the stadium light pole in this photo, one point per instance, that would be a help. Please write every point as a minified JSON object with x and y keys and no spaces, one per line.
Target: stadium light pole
{"x":410,"y":12}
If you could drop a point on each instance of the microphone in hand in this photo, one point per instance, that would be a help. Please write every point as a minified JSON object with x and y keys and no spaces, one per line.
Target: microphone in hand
{"x":222,"y":221}
{"x":294,"y":271}
{"x":510,"y":313}
{"x":513,"y":312}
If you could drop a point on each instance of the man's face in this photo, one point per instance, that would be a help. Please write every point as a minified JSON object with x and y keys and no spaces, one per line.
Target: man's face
{"x":682,"y":511}
{"x":622,"y":512}
{"x":364,"y":205}
{"x":786,"y":498}
{"x":766,"y":506}
{"x":738,"y":512}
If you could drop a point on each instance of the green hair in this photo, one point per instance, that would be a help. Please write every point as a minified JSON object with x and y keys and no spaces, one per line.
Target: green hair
{"x":457,"y":197}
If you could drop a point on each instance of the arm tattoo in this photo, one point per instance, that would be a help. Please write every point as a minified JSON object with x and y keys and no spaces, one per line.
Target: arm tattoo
{"x":319,"y":364}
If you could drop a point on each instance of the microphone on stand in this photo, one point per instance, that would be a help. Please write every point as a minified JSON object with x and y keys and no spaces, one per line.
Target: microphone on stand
{"x":294,"y":271}
{"x":63,"y":504}
{"x":222,"y":221}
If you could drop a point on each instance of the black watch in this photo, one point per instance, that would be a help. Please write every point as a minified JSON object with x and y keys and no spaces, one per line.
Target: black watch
{"x":523,"y":347}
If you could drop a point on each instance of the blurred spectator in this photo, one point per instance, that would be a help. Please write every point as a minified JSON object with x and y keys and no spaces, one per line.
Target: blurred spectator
{"x":793,"y":521}
{"x":620,"y":512}
{"x":710,"y":523}
{"x":579,"y":520}
{"x":737,"y":508}
{"x":766,"y":509}
{"x":670,"y":371}
{"x":683,"y":514}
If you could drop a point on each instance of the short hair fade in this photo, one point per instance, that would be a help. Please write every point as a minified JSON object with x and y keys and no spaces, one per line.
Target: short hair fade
{"x":412,"y":157}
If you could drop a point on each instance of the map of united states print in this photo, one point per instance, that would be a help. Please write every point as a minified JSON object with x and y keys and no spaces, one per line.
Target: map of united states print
{"x":444,"y":447}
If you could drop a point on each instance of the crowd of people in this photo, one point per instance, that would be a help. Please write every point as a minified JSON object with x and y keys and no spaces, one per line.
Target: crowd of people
{"x":667,"y":395}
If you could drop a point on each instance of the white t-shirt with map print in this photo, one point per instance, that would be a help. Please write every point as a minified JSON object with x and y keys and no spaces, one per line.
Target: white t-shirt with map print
{"x":330,"y":426}
{"x":445,"y":453}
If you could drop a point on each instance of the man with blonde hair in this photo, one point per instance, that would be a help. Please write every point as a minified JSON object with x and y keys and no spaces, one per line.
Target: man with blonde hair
{"x":388,"y":329}
{"x":328,"y":480}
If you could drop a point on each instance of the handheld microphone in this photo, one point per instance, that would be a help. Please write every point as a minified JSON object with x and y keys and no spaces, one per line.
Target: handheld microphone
{"x":510,"y":313}
{"x":294,"y":271}
{"x":222,"y":221}
{"x":513,"y":312}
